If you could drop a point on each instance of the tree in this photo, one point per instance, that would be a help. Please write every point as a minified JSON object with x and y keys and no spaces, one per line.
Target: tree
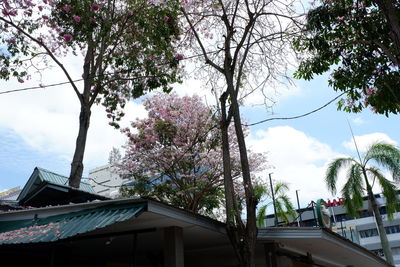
{"x":284,"y":207}
{"x":175,"y":155}
{"x":127,"y":47}
{"x":114,"y":156}
{"x":247,"y":46}
{"x":359,"y":41}
{"x":361,"y":176}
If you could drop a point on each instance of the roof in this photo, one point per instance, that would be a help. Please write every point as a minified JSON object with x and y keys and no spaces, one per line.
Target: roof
{"x":48,"y":188}
{"x":321,"y":242}
{"x":54,"y":223}
{"x":67,"y":225}
{"x":88,"y":222}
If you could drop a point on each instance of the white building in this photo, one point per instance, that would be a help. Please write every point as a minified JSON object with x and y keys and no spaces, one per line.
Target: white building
{"x":361,"y":230}
{"x":106,"y":181}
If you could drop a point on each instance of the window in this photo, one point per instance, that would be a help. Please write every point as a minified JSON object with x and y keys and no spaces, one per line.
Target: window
{"x":368,"y":233}
{"x":365,"y":213}
{"x":392,"y":229}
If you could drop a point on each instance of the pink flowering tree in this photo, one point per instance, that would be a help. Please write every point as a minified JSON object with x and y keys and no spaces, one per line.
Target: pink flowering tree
{"x":245,"y":47}
{"x":127,"y":46}
{"x":174,"y":155}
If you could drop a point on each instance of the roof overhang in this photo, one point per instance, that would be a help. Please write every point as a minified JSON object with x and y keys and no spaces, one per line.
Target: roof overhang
{"x":323,"y":244}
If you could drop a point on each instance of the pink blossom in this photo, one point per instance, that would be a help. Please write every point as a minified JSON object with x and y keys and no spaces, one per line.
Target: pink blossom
{"x":11,"y":41}
{"x":20,"y":80}
{"x":76,"y":18}
{"x":67,"y":37}
{"x":179,"y":56}
{"x":66,"y":8}
{"x":166,"y":18}
{"x":95,"y":7}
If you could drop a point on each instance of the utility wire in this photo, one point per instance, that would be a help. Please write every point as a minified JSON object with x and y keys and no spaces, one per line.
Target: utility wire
{"x":296,"y":117}
{"x":37,"y":87}
{"x":78,"y":80}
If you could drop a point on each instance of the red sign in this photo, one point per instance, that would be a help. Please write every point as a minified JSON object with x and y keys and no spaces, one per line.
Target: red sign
{"x":335,"y":203}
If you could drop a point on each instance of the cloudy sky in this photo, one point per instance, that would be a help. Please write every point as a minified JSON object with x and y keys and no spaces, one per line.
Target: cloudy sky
{"x":39,"y":127}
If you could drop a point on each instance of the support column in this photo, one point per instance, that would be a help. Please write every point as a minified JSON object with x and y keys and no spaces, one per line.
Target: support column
{"x":173,"y":247}
{"x":270,"y":250}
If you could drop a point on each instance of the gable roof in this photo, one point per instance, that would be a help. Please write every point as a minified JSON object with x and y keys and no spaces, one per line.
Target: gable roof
{"x":44,"y":181}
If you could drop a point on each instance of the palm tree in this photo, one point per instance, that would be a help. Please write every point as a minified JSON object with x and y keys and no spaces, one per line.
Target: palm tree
{"x":361,"y":176}
{"x":283,"y":205}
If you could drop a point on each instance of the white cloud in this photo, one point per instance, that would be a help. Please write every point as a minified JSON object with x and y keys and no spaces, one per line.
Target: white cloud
{"x":47,"y":119}
{"x":364,"y":141}
{"x":299,"y":160}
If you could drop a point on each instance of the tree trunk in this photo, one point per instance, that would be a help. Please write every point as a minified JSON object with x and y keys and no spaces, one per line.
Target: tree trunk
{"x":251,"y":201}
{"x":389,"y":11}
{"x":77,"y":161}
{"x":234,"y":224}
{"x":381,"y":229}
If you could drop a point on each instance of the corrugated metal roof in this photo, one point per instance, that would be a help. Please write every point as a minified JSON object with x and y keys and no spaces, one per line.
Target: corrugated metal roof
{"x":55,"y":178}
{"x":66,"y":225}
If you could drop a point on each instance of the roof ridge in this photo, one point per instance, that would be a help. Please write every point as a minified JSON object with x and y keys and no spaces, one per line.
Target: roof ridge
{"x":60,"y":175}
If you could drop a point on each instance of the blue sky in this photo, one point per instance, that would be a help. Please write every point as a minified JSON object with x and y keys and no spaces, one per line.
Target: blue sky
{"x":38,"y":128}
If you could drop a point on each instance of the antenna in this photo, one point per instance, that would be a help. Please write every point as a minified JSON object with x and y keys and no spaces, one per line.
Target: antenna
{"x":354,"y":140}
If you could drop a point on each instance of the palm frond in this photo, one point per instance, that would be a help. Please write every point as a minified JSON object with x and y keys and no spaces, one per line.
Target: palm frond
{"x":333,"y":171}
{"x":281,"y":188}
{"x":290,"y":210}
{"x":385,"y":155}
{"x":280,"y":210}
{"x":262,"y":212}
{"x":260,"y":191}
{"x":389,"y":191}
{"x":353,"y":190}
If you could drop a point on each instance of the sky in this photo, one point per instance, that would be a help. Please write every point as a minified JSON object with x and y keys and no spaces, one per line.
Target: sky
{"x":39,"y":127}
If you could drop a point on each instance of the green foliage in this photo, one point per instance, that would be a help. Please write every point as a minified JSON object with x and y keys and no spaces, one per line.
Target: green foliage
{"x":284,"y":207}
{"x":355,"y":41}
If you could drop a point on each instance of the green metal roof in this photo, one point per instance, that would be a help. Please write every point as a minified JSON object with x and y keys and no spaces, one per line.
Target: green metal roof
{"x":58,"y":179}
{"x":66,"y":225}
{"x":40,"y":176}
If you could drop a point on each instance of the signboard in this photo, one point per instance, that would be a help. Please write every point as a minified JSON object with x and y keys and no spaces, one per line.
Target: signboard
{"x":323,"y":214}
{"x":334,"y":203}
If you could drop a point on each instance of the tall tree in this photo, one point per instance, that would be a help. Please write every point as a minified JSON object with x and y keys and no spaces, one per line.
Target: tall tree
{"x":127,"y":46}
{"x":284,"y":206}
{"x":359,"y":41}
{"x":244,"y":44}
{"x":174,"y":155}
{"x":361,"y":177}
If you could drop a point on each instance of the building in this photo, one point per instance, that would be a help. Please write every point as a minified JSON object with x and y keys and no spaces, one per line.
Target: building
{"x":106,"y":181}
{"x":361,"y":230}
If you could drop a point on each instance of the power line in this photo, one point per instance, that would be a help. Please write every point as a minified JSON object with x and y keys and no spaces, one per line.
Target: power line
{"x":37,"y":87}
{"x":62,"y":83}
{"x":296,"y":117}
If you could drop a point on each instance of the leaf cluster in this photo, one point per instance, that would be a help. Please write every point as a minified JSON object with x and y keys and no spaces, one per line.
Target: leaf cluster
{"x":355,"y":41}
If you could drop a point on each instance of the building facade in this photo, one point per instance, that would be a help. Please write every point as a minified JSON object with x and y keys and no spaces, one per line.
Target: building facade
{"x":361,"y":230}
{"x":106,"y":181}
